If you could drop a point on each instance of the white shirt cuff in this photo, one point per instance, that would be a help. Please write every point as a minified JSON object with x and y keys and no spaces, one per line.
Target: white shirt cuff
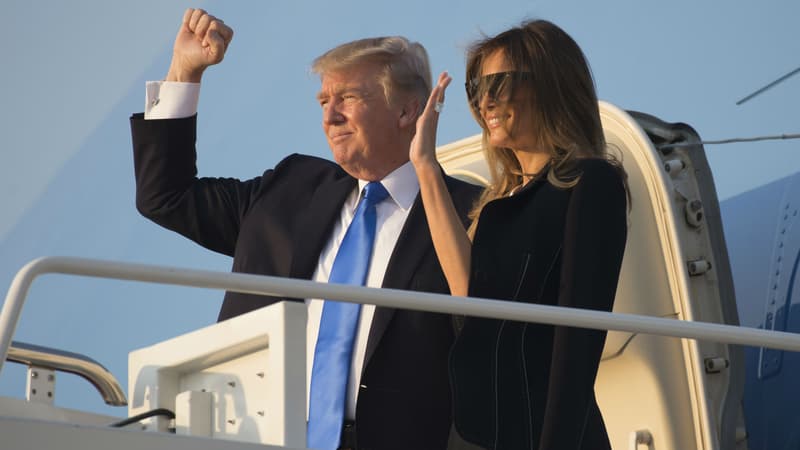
{"x":170,"y":99}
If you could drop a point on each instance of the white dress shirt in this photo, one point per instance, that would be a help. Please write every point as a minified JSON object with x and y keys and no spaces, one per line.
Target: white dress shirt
{"x":172,"y":100}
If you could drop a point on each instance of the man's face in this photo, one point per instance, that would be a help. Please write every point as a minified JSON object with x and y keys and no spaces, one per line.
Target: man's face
{"x":367,"y":134}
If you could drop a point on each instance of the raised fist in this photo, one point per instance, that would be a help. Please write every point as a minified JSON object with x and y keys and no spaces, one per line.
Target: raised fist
{"x":201,"y":42}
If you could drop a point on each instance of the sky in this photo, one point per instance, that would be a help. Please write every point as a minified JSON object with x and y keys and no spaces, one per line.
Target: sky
{"x":73,"y":72}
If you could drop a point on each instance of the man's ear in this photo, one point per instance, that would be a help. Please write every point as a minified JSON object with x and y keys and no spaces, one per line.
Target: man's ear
{"x":410,"y":112}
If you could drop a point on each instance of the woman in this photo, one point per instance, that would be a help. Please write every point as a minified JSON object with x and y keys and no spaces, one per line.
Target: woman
{"x":549,"y":229}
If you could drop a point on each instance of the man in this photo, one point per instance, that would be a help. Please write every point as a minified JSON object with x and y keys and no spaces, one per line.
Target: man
{"x":292,"y":220}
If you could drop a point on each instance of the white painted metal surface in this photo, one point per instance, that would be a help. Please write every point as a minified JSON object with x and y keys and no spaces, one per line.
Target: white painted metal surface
{"x":29,"y":434}
{"x":252,"y":366}
{"x":41,"y":385}
{"x":194,"y":413}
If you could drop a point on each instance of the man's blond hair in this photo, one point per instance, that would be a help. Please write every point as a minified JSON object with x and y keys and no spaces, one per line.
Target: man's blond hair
{"x":405,"y":64}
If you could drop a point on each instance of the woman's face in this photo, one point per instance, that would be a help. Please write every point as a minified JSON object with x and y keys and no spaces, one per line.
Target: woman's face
{"x":506,"y":115}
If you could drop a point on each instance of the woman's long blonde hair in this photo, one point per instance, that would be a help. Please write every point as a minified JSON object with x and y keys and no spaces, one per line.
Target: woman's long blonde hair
{"x":562,"y":98}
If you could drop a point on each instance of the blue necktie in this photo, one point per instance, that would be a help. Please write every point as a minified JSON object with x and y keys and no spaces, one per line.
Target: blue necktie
{"x":337,"y":328}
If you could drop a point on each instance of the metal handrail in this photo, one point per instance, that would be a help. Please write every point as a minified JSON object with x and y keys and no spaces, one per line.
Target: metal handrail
{"x":81,"y":365}
{"x":285,"y":287}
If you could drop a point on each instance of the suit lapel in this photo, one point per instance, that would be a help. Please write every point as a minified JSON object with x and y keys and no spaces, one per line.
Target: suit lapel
{"x":412,"y":244}
{"x":315,"y":223}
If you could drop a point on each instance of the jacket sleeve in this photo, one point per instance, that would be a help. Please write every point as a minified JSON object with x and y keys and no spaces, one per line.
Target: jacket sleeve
{"x":207,"y":210}
{"x":592,"y":250}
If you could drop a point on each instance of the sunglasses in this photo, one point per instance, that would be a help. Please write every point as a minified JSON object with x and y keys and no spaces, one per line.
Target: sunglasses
{"x":498,"y":86}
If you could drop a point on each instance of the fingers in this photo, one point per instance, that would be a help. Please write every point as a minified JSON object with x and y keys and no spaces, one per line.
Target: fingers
{"x":216,"y":45}
{"x":217,"y":39}
{"x":436,"y":99}
{"x":211,"y":32}
{"x":224,"y":32}
{"x":187,"y":16}
{"x":201,"y":24}
{"x":200,"y":28}
{"x":423,"y":147}
{"x":194,"y":18}
{"x":444,"y":81}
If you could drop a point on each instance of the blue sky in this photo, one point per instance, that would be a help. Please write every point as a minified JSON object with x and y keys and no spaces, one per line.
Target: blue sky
{"x":74,"y":71}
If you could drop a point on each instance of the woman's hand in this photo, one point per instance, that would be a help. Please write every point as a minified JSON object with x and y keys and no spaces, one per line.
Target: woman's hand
{"x":447,"y":232}
{"x":423,"y":146}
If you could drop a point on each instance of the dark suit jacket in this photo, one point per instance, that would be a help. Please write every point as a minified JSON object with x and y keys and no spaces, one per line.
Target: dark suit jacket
{"x":277,"y":224}
{"x":531,"y":386}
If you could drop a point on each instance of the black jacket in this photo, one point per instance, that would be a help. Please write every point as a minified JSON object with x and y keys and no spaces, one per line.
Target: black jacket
{"x":277,"y":224}
{"x":530,"y":386}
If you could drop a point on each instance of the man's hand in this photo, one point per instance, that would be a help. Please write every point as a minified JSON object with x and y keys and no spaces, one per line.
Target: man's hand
{"x":201,"y":42}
